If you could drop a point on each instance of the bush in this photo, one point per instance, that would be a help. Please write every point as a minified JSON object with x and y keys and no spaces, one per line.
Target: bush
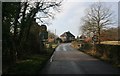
{"x":109,"y":52}
{"x":86,"y":46}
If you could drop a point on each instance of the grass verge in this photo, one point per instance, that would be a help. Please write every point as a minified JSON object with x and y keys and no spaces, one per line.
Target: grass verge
{"x":30,"y":65}
{"x":108,"y":61}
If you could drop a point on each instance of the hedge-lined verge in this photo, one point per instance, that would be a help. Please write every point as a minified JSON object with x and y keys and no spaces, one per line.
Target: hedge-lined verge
{"x":105,"y":52}
{"x":30,"y":65}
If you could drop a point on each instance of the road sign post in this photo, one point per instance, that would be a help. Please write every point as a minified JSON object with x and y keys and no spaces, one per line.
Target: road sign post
{"x":95,"y":39}
{"x":43,"y":35}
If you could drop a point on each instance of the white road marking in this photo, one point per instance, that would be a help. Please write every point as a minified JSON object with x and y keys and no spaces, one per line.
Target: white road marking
{"x":51,"y":58}
{"x":64,"y":49}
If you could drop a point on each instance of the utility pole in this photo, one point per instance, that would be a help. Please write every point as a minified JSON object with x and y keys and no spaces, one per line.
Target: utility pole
{"x":55,"y":31}
{"x":55,"y":36}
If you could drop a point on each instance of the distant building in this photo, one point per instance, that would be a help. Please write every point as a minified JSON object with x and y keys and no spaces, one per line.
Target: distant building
{"x":58,"y":40}
{"x":51,"y":39}
{"x":85,"y":38}
{"x":82,"y":37}
{"x":67,"y":37}
{"x":88,"y":39}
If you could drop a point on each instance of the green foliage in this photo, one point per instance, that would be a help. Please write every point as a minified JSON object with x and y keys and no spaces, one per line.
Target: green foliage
{"x":20,"y":31}
{"x":29,"y":66}
{"x":8,"y":18}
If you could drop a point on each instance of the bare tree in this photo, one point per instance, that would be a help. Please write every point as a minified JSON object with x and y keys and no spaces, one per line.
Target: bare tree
{"x":18,"y":19}
{"x":97,"y":17}
{"x":41,"y":11}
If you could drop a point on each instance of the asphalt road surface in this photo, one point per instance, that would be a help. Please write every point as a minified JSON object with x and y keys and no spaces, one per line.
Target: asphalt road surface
{"x":67,"y":60}
{"x":0,"y":57}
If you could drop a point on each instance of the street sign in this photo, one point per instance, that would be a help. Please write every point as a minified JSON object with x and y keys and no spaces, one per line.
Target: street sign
{"x":43,"y":35}
{"x":95,"y":38}
{"x":43,"y":28}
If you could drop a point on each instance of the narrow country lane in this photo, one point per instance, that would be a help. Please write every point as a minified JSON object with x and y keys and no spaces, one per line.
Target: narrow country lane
{"x":0,"y":57}
{"x":67,"y":60}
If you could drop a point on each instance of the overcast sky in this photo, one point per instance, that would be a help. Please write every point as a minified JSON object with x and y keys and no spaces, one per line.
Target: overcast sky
{"x":69,"y":19}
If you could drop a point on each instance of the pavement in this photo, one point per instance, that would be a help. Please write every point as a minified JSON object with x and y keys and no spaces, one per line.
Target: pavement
{"x":67,"y":60}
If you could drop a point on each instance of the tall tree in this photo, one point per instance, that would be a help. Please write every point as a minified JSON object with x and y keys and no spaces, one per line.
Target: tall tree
{"x":9,"y":19}
{"x":17,"y":19}
{"x":97,"y":17}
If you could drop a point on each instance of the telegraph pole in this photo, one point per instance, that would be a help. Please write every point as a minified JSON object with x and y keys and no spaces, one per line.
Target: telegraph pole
{"x":55,"y":35}
{"x":55,"y":31}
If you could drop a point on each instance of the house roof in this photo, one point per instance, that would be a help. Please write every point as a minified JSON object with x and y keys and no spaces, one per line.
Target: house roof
{"x":67,"y":34}
{"x":62,"y":35}
{"x":82,"y":36}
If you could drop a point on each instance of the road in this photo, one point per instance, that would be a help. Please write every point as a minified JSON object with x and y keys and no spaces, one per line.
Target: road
{"x":0,"y":57}
{"x":67,"y":60}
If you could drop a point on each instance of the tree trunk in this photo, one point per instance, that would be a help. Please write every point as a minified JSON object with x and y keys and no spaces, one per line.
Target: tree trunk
{"x":99,"y":36}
